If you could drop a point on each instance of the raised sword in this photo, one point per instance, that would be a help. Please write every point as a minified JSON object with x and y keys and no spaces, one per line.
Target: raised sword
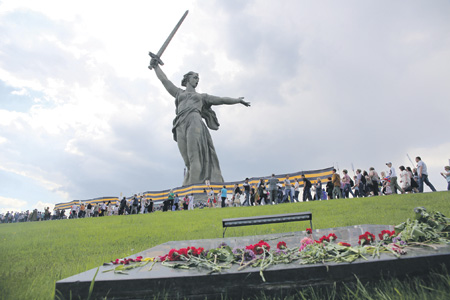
{"x":157,"y":56}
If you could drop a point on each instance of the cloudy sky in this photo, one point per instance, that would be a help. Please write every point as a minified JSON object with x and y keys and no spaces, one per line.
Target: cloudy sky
{"x":330,"y":82}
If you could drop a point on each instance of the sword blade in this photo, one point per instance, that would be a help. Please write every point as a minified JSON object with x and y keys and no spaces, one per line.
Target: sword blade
{"x":169,"y":38}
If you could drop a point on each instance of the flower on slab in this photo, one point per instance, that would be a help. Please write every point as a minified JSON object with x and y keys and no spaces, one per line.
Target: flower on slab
{"x":195,"y":251}
{"x":223,"y":244}
{"x":308,"y":230}
{"x":174,"y":255}
{"x":281,"y":245}
{"x":152,"y":259}
{"x":246,"y":254}
{"x":163,"y":258}
{"x":386,"y":235}
{"x":281,"y":252}
{"x":324,"y":238}
{"x":332,"y":237}
{"x":126,"y":261}
{"x":366,"y":239}
{"x":344,"y":244}
{"x":259,"y":247}
{"x":396,"y":248}
{"x":306,"y":241}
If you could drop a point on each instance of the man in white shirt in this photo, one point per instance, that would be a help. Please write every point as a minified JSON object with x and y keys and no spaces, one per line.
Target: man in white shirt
{"x":393,"y":178}
{"x":423,"y":175}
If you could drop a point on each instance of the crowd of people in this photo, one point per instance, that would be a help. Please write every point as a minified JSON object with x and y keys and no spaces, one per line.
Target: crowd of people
{"x":26,"y":216}
{"x":265,"y":192}
{"x":362,"y":184}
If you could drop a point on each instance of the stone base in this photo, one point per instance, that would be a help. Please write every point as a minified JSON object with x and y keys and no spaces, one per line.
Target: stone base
{"x":283,"y":279}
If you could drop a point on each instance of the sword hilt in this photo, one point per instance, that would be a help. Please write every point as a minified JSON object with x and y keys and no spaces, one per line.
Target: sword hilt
{"x":155,"y":57}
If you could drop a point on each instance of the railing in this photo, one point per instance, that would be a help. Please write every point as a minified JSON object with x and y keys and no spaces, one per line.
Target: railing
{"x":259,"y":220}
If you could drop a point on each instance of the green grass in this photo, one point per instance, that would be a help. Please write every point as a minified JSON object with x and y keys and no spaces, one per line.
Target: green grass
{"x":35,"y":255}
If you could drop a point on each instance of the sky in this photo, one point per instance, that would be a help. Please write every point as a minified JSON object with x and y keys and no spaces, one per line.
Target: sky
{"x":331,"y":83}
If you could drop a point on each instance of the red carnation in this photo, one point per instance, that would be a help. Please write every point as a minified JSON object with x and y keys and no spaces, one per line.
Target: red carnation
{"x":281,"y":245}
{"x":258,"y":248}
{"x":308,"y":230}
{"x":264,"y":245}
{"x":173,"y":255}
{"x":386,"y":232}
{"x":332,"y":237}
{"x":324,"y":238}
{"x":250,"y":247}
{"x":183,"y":252}
{"x":164,"y":257}
{"x":199,"y":251}
{"x":366,"y":239}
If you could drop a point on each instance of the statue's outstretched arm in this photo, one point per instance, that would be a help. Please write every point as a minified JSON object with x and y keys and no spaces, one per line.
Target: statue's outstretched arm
{"x":214,"y":100}
{"x":170,"y":87}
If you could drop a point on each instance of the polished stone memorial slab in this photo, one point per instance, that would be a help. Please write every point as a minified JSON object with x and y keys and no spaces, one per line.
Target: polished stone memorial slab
{"x":164,"y":282}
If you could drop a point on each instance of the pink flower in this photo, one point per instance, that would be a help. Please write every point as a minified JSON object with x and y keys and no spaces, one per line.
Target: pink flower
{"x":306,"y":241}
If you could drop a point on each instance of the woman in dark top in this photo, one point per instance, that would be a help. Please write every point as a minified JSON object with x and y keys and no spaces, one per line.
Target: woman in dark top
{"x":329,"y":188}
{"x":262,"y":192}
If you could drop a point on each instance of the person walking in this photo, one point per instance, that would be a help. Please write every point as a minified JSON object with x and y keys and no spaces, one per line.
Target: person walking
{"x":318,"y":186}
{"x":288,"y":190}
{"x":237,"y":196}
{"x":191,"y":202}
{"x":393,"y":177}
{"x":273,"y":189}
{"x":422,"y":172}
{"x":405,"y":179}
{"x":135,"y":204}
{"x":375,"y":179}
{"x":223,"y":195}
{"x":246,"y":187}
{"x":263,"y":192}
{"x":211,"y":198}
{"x":306,"y":188}
{"x":176,"y":202}
{"x":336,"y":180}
{"x":329,"y":187}
{"x":296,"y":189}
{"x":446,"y":175}
{"x":347,"y":186}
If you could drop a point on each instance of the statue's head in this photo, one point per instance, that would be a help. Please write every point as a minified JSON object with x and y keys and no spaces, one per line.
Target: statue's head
{"x":186,"y":77}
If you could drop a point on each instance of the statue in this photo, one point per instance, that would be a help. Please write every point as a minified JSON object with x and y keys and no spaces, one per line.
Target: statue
{"x":189,"y":131}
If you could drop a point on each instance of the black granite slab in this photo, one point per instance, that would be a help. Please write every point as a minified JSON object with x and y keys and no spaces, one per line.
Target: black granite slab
{"x":163,"y":282}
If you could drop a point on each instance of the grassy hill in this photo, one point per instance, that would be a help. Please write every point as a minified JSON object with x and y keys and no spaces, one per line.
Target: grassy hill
{"x":35,"y":255}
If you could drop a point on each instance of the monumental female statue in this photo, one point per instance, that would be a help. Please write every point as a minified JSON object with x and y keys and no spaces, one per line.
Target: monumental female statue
{"x":189,"y":131}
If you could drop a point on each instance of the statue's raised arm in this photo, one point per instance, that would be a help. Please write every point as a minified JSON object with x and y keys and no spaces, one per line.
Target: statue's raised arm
{"x":170,"y":87}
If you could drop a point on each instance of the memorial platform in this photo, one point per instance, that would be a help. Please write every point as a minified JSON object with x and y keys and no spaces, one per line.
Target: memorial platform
{"x":282,"y":279}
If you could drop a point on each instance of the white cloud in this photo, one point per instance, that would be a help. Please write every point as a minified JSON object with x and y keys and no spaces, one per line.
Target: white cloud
{"x":12,"y":204}
{"x":41,"y":206}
